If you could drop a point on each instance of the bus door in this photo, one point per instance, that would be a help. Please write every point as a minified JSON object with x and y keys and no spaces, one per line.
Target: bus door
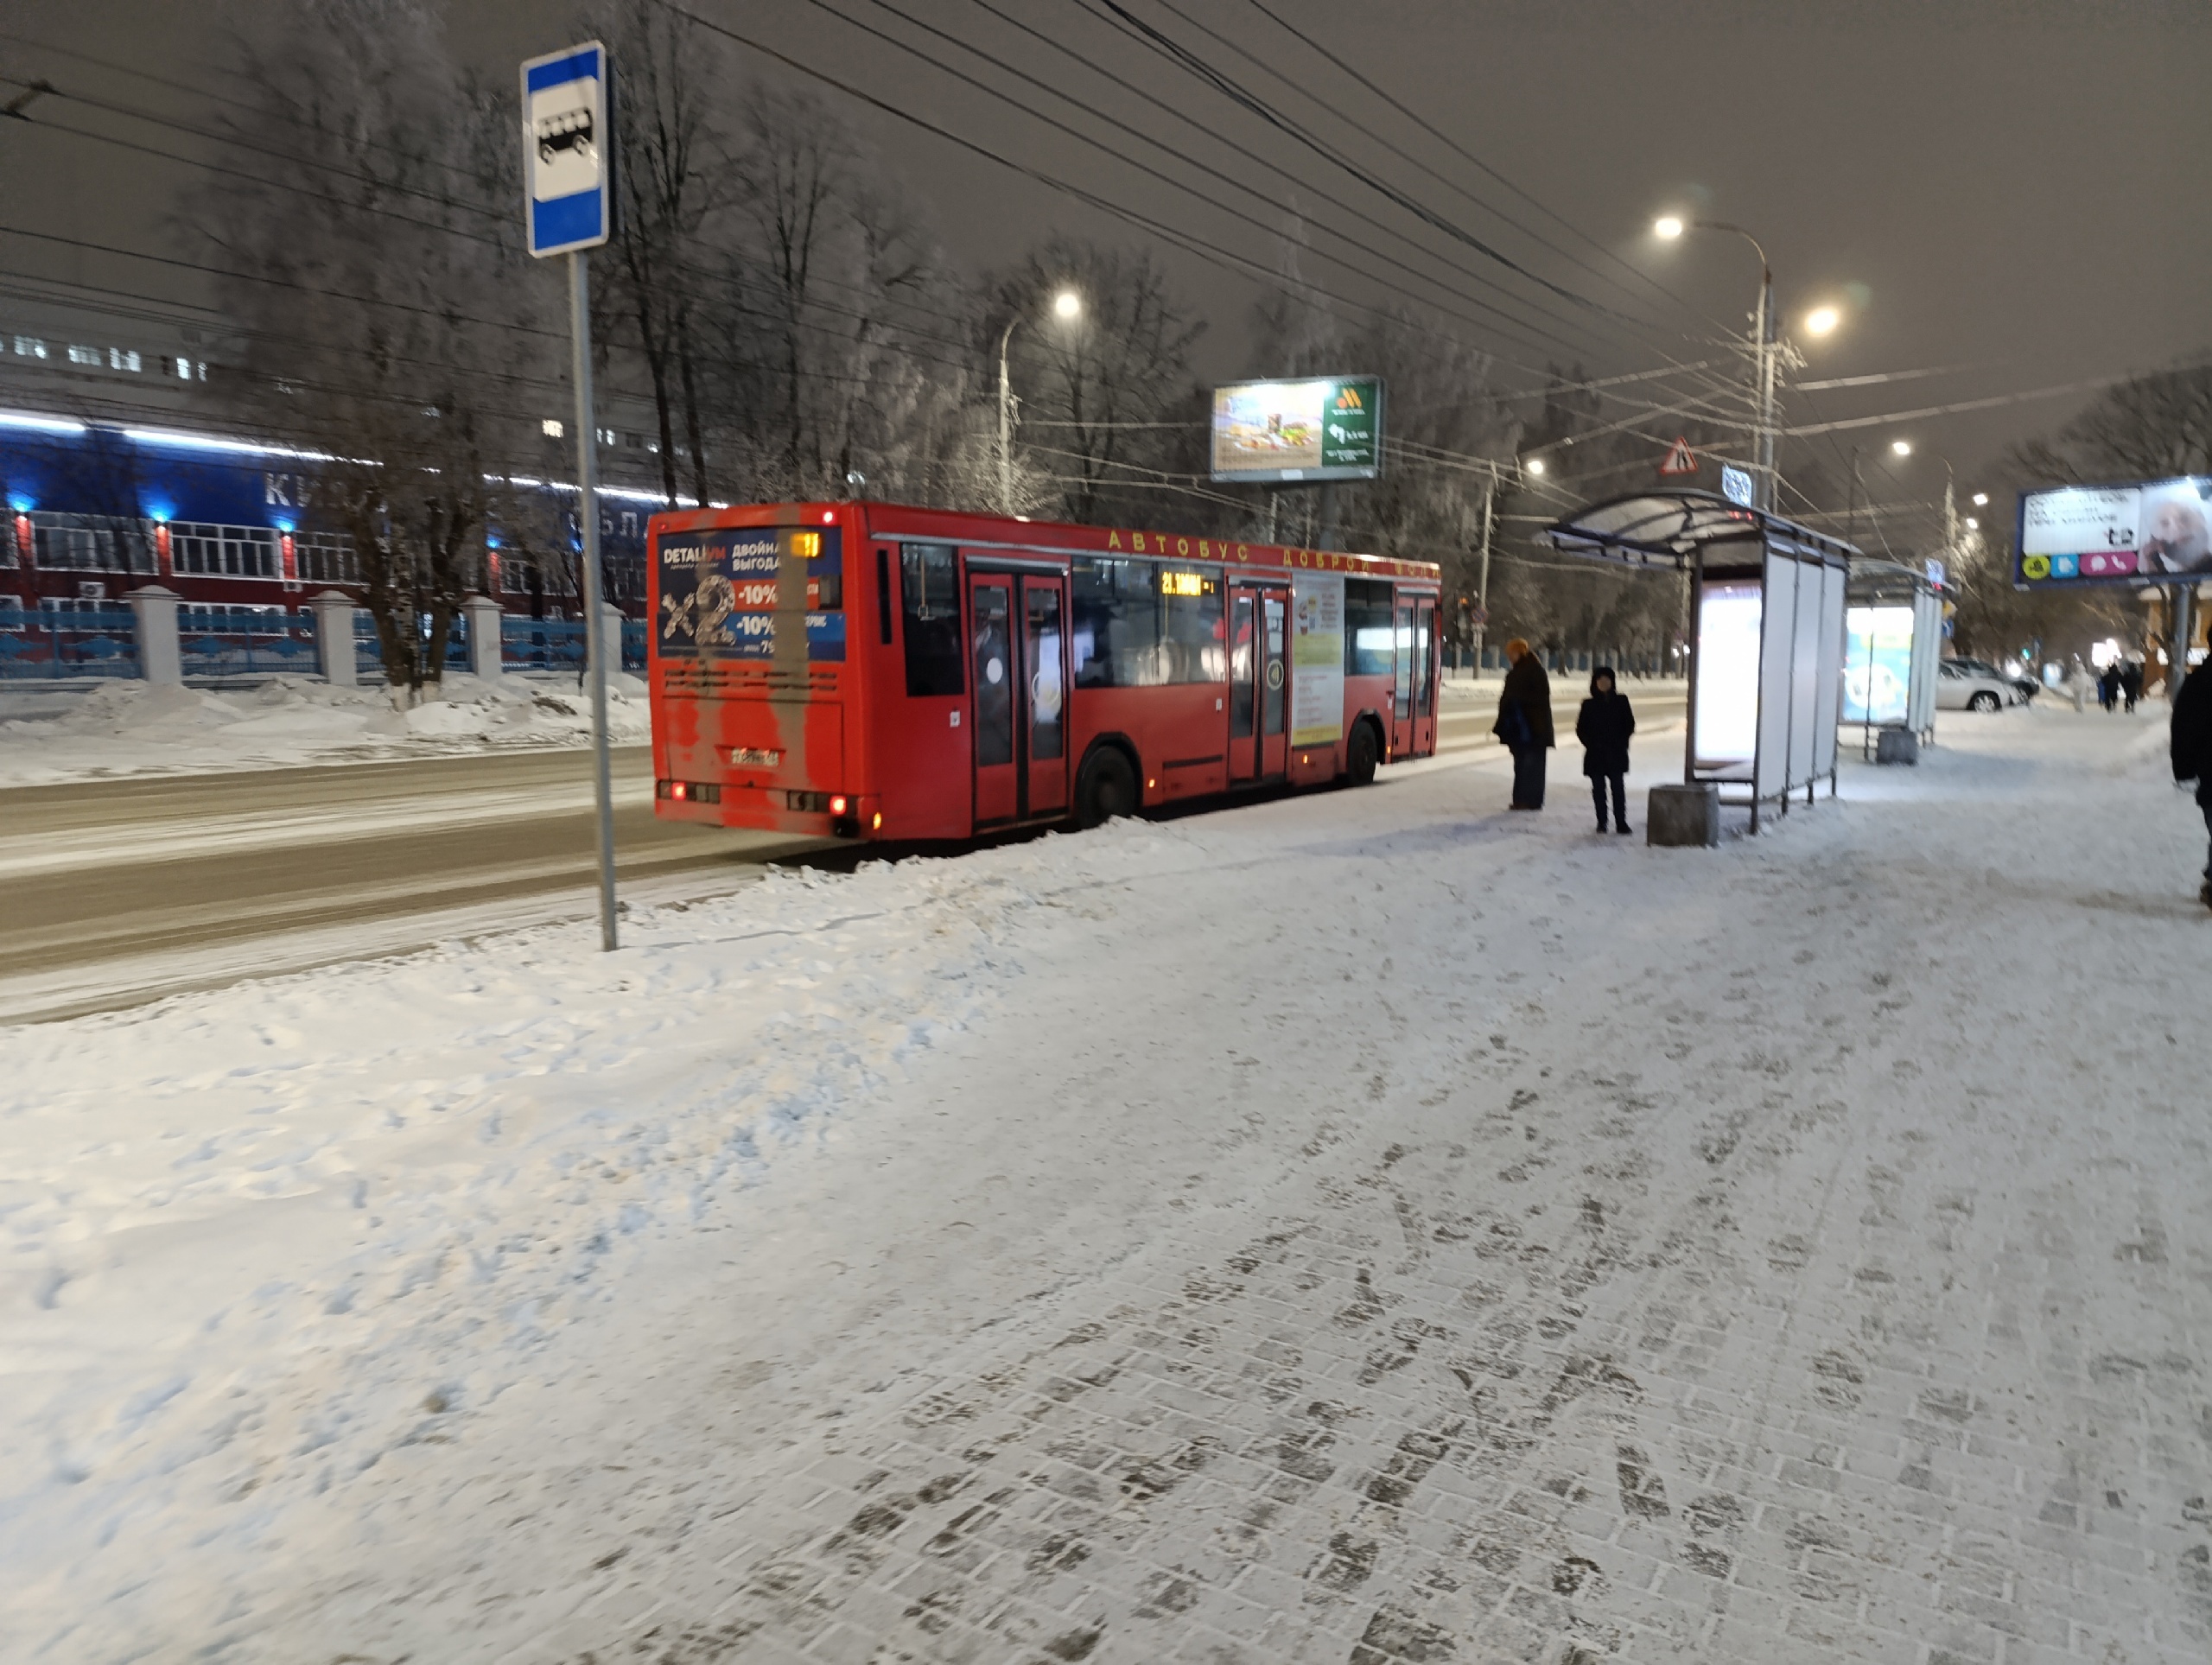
{"x":1403,"y":683}
{"x":990,"y":633}
{"x":1045,"y":695}
{"x":1426,"y":650}
{"x":1259,"y":683}
{"x":1017,"y":627}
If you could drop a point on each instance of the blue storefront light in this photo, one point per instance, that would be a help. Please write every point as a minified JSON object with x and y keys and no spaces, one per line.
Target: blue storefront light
{"x":285,"y":524}
{"x":22,"y":502}
{"x":160,"y":511}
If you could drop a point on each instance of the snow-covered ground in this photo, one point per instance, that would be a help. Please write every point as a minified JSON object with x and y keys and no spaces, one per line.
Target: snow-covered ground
{"x":128,"y":727}
{"x":1363,"y":1226}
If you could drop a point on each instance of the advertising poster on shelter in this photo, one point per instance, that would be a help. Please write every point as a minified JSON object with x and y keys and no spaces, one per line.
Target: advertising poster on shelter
{"x":725,"y":595}
{"x":1317,"y":657}
{"x":1876,"y":664}
{"x":1728,"y":677}
{"x":2115,"y":534}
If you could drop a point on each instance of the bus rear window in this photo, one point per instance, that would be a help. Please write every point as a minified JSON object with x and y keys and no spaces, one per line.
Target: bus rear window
{"x":929,"y":593}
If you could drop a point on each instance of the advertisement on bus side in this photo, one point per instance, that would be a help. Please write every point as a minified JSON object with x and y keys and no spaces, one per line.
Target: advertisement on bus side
{"x":725,"y":594}
{"x":1317,"y":657}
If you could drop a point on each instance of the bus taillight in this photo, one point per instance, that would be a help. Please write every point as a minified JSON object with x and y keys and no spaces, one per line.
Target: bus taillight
{"x":838,"y":804}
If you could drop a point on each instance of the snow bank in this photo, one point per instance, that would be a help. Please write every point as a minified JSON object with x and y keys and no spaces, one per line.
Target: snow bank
{"x":135,"y":728}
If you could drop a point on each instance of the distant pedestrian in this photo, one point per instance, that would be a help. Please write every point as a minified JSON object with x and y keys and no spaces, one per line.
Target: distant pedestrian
{"x":2108,"y":685}
{"x":1606,"y":721}
{"x":2131,"y":684}
{"x":1524,"y":723}
{"x":2192,"y":752}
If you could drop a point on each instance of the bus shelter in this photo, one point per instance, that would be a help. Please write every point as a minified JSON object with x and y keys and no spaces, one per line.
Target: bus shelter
{"x":1893,"y":635}
{"x":1766,"y":609}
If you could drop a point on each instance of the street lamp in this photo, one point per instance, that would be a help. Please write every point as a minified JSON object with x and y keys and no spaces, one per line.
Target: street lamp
{"x":1901,"y":448}
{"x":1535,"y":466}
{"x":1670,"y":226}
{"x":1067,"y":307}
{"x":1821,"y":320}
{"x":1981,"y":499}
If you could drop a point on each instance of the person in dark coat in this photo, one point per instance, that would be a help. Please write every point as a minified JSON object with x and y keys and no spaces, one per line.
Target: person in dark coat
{"x":2108,"y":686}
{"x":2131,"y":684}
{"x":2192,"y":752}
{"x":1606,"y":721}
{"x":1524,"y":723}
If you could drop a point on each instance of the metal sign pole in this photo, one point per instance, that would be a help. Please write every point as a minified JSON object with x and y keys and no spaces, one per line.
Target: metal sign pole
{"x":568,"y":152}
{"x":595,"y":645}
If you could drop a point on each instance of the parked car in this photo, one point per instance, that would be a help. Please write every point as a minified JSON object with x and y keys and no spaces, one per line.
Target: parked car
{"x":2027,"y":686}
{"x":1963,"y":685}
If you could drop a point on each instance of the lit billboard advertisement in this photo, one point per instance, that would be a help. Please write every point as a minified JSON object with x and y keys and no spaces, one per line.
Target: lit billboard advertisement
{"x":1727,"y":671}
{"x":1876,"y":664}
{"x":1277,"y":433}
{"x":2115,"y":534}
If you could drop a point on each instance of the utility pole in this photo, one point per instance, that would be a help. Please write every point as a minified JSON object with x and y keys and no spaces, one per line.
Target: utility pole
{"x":1482,"y":578}
{"x":1006,"y":422}
{"x":1765,"y":352}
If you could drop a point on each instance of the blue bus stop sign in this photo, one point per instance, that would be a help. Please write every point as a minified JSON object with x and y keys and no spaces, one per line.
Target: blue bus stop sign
{"x":568,"y":150}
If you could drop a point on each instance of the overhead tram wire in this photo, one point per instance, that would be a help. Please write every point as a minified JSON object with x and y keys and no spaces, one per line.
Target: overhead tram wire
{"x":498,"y":215}
{"x":1207,"y":74}
{"x":1459,"y":270}
{"x":1174,"y":183}
{"x":1468,"y":157}
{"x":1212,"y":253}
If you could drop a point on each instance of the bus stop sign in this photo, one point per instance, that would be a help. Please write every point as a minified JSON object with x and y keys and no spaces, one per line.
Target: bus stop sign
{"x":568,"y":150}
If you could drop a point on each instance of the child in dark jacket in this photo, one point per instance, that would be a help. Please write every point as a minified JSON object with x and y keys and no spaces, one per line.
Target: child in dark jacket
{"x":1604,"y":728}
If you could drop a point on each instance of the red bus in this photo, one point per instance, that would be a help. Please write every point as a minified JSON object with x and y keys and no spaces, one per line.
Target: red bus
{"x":864,"y":670}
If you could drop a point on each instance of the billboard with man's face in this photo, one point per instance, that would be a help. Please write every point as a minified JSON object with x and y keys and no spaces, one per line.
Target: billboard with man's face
{"x":2144,"y":534}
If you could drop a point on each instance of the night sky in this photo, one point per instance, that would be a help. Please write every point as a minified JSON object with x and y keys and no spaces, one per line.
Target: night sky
{"x":2016,"y":188}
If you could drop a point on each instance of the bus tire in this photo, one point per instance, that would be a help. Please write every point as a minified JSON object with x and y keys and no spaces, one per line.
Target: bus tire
{"x":1106,"y":788}
{"x":1361,"y":754}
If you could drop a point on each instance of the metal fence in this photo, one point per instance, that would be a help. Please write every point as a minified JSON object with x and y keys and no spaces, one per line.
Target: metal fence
{"x":558,"y":643}
{"x":55,"y":643}
{"x":245,"y":642}
{"x":368,"y":655}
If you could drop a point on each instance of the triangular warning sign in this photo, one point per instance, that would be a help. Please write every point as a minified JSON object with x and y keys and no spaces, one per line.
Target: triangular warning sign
{"x":1680,"y":459}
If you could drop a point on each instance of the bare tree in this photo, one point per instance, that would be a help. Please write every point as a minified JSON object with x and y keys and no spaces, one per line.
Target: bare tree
{"x":673,"y":178}
{"x":394,"y":321}
{"x":1096,"y":389}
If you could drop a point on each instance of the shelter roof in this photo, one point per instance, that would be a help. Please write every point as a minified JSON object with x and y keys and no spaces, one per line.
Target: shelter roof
{"x":1670,"y":528}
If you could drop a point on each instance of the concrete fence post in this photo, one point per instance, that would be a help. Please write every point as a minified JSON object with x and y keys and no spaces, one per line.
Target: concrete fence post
{"x":485,"y":648}
{"x":333,"y":638}
{"x":610,"y":627}
{"x":161,"y":658}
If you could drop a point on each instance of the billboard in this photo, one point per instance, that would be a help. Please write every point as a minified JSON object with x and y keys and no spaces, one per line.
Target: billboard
{"x":1273,"y":433}
{"x":2147,"y":533}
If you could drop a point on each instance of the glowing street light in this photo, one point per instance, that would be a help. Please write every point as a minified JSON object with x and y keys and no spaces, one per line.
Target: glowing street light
{"x":1981,"y":499}
{"x":1067,"y":306}
{"x":1535,"y":464}
{"x":1667,"y":225}
{"x":1821,"y":320}
{"x":1972,"y":525}
{"x":1901,"y":448}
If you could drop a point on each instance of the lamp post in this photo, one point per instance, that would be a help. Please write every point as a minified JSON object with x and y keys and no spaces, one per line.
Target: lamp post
{"x":1762,"y":368}
{"x":1067,"y":306}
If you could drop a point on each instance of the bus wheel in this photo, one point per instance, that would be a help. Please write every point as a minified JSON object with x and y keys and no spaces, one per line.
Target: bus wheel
{"x":1360,"y":754}
{"x":1106,"y":788}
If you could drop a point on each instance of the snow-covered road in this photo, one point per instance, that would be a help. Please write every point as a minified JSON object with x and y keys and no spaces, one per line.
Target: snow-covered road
{"x":1364,"y":1227}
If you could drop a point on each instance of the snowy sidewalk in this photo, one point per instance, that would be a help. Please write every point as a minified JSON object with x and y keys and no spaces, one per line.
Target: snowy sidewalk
{"x":1359,"y":1228}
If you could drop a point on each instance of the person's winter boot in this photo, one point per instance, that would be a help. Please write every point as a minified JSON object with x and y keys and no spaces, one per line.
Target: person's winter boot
{"x":2204,"y":893}
{"x":1623,"y":829}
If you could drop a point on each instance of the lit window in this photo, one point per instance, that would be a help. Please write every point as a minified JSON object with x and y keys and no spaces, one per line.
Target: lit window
{"x":606,"y":436}
{"x":184,"y":368}
{"x":552,"y":428}
{"x":30,"y":346}
{"x":84,"y":355}
{"x":122,"y":358}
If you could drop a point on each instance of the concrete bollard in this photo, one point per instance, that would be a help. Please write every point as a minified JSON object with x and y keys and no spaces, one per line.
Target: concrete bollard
{"x":1897,"y":745}
{"x":485,"y":648}
{"x":610,"y":628}
{"x":333,"y":638}
{"x":1683,"y":815}
{"x":161,"y":657}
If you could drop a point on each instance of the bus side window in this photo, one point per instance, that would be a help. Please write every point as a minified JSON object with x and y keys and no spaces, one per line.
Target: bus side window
{"x":883,"y":594}
{"x":928,"y":585}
